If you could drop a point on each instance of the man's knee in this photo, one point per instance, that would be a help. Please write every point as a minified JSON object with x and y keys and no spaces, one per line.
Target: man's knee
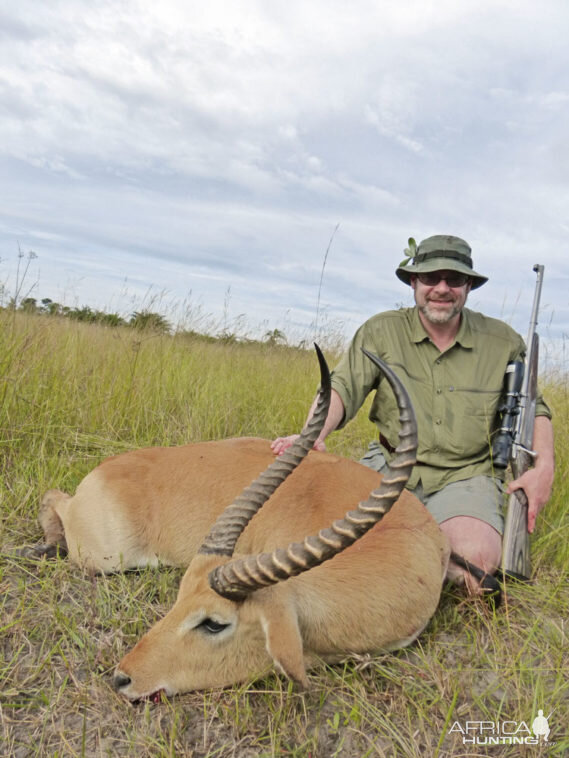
{"x":475,"y":541}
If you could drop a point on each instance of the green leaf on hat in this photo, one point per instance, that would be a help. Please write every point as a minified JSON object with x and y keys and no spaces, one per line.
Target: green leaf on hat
{"x":410,"y":251}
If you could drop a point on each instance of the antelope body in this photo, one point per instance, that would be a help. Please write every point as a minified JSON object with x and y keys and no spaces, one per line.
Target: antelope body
{"x":244,"y":606}
{"x":156,"y":505}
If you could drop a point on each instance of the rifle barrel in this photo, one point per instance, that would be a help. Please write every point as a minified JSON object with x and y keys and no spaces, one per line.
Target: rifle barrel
{"x":524,"y":431}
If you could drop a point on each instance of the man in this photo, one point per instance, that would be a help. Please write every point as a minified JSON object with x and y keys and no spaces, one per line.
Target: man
{"x":452,"y":361}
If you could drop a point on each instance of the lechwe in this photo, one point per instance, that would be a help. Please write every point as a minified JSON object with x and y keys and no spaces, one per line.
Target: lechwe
{"x":157,"y":506}
{"x":236,"y":617}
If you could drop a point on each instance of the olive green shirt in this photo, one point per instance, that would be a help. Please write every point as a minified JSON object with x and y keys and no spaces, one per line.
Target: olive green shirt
{"x":455,"y":393}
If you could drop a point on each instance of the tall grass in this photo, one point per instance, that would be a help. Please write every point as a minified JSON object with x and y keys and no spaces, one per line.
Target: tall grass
{"x":71,"y":394}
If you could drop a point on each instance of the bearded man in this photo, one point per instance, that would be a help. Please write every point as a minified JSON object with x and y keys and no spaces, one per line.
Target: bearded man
{"x":452,"y":361}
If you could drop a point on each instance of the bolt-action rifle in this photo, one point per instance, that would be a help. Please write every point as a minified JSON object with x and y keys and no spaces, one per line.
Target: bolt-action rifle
{"x":513,"y":442}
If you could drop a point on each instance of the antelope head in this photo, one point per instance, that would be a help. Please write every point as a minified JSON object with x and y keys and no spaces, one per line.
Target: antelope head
{"x":235,"y":617}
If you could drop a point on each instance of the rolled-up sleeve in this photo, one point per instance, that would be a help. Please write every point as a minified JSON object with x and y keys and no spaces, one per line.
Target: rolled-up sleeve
{"x":355,"y":376}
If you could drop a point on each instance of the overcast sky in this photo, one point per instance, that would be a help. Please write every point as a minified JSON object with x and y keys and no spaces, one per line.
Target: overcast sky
{"x":208,"y":152}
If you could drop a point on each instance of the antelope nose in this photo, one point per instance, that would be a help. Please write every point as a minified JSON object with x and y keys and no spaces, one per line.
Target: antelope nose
{"x":120,"y":680}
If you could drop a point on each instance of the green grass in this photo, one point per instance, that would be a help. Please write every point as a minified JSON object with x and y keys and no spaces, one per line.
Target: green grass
{"x":71,"y":394}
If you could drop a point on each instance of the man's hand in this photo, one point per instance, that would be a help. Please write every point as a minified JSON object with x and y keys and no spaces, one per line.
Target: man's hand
{"x":279,"y":445}
{"x":537,"y":486}
{"x":537,"y":482}
{"x":335,"y":416}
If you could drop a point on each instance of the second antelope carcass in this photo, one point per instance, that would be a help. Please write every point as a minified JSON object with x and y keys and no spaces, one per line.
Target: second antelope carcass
{"x":362,"y":584}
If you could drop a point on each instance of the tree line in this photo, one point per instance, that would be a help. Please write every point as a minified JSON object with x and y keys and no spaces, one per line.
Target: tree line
{"x":144,"y":319}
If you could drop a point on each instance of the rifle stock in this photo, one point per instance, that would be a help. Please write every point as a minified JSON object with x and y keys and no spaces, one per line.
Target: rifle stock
{"x":516,"y":561}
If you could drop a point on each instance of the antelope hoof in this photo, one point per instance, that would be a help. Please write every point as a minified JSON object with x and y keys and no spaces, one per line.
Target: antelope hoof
{"x":41,"y":550}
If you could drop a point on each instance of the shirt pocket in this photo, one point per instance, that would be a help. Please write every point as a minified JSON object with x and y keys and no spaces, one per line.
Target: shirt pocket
{"x":471,"y":419}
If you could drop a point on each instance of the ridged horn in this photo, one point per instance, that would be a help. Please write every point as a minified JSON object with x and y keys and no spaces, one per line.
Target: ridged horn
{"x":238,"y":578}
{"x":230,"y":524}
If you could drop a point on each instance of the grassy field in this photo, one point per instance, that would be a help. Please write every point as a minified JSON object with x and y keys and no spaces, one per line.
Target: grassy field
{"x":72,"y":394}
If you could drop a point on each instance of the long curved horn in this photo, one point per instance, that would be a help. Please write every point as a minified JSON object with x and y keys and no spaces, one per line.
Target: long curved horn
{"x":230,"y":524}
{"x":238,"y":578}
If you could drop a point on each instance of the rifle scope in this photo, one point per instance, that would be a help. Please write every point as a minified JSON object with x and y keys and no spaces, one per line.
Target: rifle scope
{"x":502,"y":445}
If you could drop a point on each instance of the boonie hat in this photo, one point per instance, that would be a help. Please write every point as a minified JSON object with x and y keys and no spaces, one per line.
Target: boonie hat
{"x":441,"y":252}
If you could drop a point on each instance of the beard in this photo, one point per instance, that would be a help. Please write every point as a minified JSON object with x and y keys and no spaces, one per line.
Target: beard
{"x":440,"y":316}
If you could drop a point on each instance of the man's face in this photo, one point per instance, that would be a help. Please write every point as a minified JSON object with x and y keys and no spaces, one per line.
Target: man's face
{"x":438,"y":302}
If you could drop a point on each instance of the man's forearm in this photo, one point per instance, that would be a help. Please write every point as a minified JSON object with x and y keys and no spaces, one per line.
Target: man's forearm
{"x":544,"y":447}
{"x":334,"y":417}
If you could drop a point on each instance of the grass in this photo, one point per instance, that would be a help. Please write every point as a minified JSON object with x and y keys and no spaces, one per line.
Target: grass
{"x":71,"y":394}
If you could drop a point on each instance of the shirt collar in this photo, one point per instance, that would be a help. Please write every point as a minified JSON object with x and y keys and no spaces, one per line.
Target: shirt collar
{"x":463,"y":337}
{"x":418,"y":333}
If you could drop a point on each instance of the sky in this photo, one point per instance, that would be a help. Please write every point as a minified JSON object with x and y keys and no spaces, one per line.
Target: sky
{"x":264,"y":163}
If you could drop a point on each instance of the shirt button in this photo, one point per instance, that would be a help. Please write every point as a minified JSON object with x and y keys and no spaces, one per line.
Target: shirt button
{"x":438,"y":422}
{"x":439,"y":390}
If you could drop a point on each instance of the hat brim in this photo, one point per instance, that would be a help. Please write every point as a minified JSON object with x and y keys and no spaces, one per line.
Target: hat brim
{"x":440,"y":264}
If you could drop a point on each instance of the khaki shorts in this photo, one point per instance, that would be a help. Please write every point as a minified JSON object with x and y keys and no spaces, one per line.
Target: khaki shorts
{"x":480,"y":497}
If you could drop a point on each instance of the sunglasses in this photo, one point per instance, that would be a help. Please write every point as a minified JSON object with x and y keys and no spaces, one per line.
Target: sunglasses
{"x":452,"y":278}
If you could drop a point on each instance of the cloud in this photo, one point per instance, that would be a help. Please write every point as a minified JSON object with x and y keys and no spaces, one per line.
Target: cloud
{"x":207,"y":146}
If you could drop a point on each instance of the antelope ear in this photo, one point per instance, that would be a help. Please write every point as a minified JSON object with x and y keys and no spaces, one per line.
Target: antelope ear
{"x":283,"y":641}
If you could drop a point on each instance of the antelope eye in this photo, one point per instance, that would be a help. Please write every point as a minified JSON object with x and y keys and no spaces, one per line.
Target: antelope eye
{"x":211,"y":626}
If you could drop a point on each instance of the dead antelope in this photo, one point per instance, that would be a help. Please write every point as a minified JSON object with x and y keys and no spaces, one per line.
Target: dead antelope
{"x":350,"y":588}
{"x":158,"y":506}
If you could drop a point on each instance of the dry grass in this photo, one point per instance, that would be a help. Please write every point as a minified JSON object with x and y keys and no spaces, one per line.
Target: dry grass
{"x":71,"y":395}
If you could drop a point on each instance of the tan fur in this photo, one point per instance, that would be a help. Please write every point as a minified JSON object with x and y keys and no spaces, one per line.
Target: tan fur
{"x":158,"y":505}
{"x":377,"y":595}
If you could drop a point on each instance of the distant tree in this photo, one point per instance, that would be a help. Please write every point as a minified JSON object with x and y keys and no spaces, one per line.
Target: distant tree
{"x":29,"y":305}
{"x":147,"y":320}
{"x":86,"y":314}
{"x":111,"y":319}
{"x":275,"y":337}
{"x":49,"y":307}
